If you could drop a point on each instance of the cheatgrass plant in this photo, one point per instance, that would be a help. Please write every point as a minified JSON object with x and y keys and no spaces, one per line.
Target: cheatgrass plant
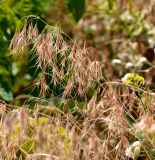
{"x":65,"y":64}
{"x":107,"y":121}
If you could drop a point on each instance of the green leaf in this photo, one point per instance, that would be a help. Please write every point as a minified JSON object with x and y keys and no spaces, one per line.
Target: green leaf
{"x":6,"y":95}
{"x":3,"y":70}
{"x":111,"y":4}
{"x":5,"y":89}
{"x":76,"y":7}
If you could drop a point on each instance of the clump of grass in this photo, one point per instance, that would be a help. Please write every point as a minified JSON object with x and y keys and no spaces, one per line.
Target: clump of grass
{"x":66,"y":63}
{"x":24,"y":136}
{"x":108,"y":122}
{"x":102,"y":131}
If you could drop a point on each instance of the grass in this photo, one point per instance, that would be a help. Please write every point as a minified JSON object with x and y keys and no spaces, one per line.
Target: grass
{"x":93,"y":118}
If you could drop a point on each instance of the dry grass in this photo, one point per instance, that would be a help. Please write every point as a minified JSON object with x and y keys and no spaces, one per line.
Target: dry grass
{"x":102,"y":131}
{"x":112,"y":117}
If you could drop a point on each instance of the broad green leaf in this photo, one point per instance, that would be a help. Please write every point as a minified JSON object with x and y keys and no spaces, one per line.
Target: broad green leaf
{"x":3,"y":70}
{"x":76,"y":7}
{"x":111,"y":4}
{"x":6,"y":95}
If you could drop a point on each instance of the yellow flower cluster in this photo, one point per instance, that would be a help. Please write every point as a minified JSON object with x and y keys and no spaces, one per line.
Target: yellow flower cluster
{"x":133,"y":79}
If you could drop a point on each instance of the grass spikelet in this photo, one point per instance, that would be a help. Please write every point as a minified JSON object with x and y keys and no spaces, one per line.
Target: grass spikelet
{"x":19,"y":46}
